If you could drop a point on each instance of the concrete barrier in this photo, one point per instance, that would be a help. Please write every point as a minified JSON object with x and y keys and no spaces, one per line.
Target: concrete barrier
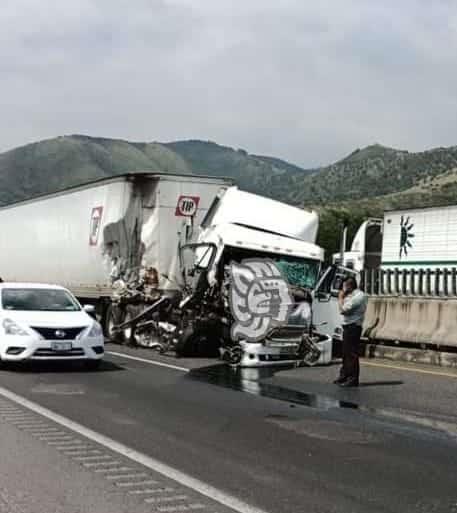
{"x":395,"y":320}
{"x":412,"y":320}
{"x":399,"y":354}
{"x":446,"y":334}
{"x":423,"y":319}
{"x":375,"y":317}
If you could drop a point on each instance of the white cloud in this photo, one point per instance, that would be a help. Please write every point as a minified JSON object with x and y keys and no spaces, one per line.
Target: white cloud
{"x":308,"y":81}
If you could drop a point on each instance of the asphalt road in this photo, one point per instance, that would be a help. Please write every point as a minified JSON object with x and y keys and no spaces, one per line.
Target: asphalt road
{"x":289,"y":442}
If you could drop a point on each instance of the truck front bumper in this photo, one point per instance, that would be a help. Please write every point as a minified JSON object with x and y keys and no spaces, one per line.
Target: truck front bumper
{"x":265,"y":354}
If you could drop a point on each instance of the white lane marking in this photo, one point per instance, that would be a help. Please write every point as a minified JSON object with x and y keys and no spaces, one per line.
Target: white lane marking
{"x":56,"y":438}
{"x":147,"y":461}
{"x":151,"y":362}
{"x":73,"y":444}
{"x":148,"y":491}
{"x":141,"y":475}
{"x":173,"y":498}
{"x":410,"y":369}
{"x":58,"y":443}
{"x":41,"y":432}
{"x":102,"y":464}
{"x":92,"y":458}
{"x":113,"y":470}
{"x":82,"y":453}
{"x":49,"y":433}
{"x":138,"y":483}
{"x":25,"y":425}
{"x":183,"y":507}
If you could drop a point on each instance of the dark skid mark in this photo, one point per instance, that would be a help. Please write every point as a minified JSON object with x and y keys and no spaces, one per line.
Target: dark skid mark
{"x":250,"y":381}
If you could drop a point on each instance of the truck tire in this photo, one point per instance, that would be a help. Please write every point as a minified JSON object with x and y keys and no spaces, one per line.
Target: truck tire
{"x":185,"y":345}
{"x":127,"y":333}
{"x":193,"y":343}
{"x":114,"y":316}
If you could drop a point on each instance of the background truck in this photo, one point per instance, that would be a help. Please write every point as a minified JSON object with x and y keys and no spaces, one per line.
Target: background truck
{"x":84,"y":238}
{"x":410,"y":251}
{"x":366,"y":247}
{"x":407,"y":239}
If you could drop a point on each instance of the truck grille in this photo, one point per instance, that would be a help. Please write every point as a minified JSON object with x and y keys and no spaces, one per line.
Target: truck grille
{"x":285,"y":336}
{"x":56,"y":333}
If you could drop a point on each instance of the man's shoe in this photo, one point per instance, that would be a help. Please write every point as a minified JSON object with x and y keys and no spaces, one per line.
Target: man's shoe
{"x":338,"y":381}
{"x":349,"y":383}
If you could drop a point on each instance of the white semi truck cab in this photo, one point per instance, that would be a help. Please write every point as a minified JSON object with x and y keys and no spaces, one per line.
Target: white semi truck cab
{"x":244,"y":226}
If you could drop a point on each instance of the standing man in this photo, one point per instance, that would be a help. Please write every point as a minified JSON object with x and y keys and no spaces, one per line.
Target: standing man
{"x":353,"y":304}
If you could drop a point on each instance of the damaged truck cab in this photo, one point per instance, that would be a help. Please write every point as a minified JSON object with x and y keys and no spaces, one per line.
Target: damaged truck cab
{"x":243,"y":227}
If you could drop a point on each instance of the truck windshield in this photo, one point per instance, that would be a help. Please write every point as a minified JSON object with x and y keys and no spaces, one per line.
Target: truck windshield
{"x":301,"y":272}
{"x":43,"y":300}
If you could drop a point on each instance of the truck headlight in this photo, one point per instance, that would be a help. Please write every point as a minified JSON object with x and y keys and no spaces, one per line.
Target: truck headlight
{"x":95,"y":331}
{"x":11,"y":328}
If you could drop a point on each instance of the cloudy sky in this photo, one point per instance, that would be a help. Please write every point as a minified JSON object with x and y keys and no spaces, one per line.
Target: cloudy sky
{"x":305,"y":80}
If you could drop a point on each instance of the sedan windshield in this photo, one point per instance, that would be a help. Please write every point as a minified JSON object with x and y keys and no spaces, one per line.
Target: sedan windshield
{"x":43,"y":300}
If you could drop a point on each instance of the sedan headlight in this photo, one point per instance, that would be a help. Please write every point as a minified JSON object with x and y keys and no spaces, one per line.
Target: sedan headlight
{"x":95,"y":331}
{"x":11,"y":328}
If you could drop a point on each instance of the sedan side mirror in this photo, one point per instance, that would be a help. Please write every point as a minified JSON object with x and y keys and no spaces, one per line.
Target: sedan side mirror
{"x":89,"y":309}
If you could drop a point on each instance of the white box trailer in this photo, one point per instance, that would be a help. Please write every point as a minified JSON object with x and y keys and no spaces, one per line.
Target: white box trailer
{"x":76,"y":237}
{"x":420,"y":238}
{"x":409,"y":251}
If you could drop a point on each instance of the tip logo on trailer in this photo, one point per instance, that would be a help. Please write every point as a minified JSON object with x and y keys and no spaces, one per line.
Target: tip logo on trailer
{"x":95,"y":223}
{"x":187,"y":206}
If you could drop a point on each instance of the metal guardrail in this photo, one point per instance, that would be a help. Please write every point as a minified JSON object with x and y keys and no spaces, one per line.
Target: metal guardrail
{"x":437,"y":282}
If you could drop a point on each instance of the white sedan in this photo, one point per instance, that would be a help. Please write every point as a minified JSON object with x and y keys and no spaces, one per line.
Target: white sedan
{"x":46,"y":322}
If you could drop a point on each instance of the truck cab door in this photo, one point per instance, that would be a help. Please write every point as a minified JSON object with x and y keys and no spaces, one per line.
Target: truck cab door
{"x":326,"y":315}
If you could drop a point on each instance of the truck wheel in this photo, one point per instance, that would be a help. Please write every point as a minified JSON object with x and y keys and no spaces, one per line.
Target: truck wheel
{"x":193,"y":343}
{"x":127,"y":333}
{"x":184,"y":347}
{"x":113,"y":317}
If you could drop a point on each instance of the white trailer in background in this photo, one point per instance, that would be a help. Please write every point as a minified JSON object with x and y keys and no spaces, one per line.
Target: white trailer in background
{"x":409,"y":251}
{"x":420,"y":238}
{"x":82,"y":236}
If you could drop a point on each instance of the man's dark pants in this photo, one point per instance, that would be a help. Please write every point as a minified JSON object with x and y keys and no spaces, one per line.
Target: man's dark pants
{"x":351,"y":341}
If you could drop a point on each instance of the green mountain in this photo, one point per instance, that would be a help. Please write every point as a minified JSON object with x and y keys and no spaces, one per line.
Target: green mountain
{"x":54,"y":164}
{"x":254,"y":173}
{"x":378,"y":171}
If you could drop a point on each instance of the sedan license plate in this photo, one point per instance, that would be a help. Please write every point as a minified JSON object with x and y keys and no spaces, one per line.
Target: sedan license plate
{"x":61,"y":346}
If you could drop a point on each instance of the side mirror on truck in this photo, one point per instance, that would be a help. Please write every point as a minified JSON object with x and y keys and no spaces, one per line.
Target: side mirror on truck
{"x":322,"y":296}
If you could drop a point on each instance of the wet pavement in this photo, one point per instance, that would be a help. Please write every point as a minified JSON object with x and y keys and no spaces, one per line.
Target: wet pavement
{"x":258,"y":381}
{"x":278,"y":439}
{"x":252,"y":381}
{"x":421,"y":396}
